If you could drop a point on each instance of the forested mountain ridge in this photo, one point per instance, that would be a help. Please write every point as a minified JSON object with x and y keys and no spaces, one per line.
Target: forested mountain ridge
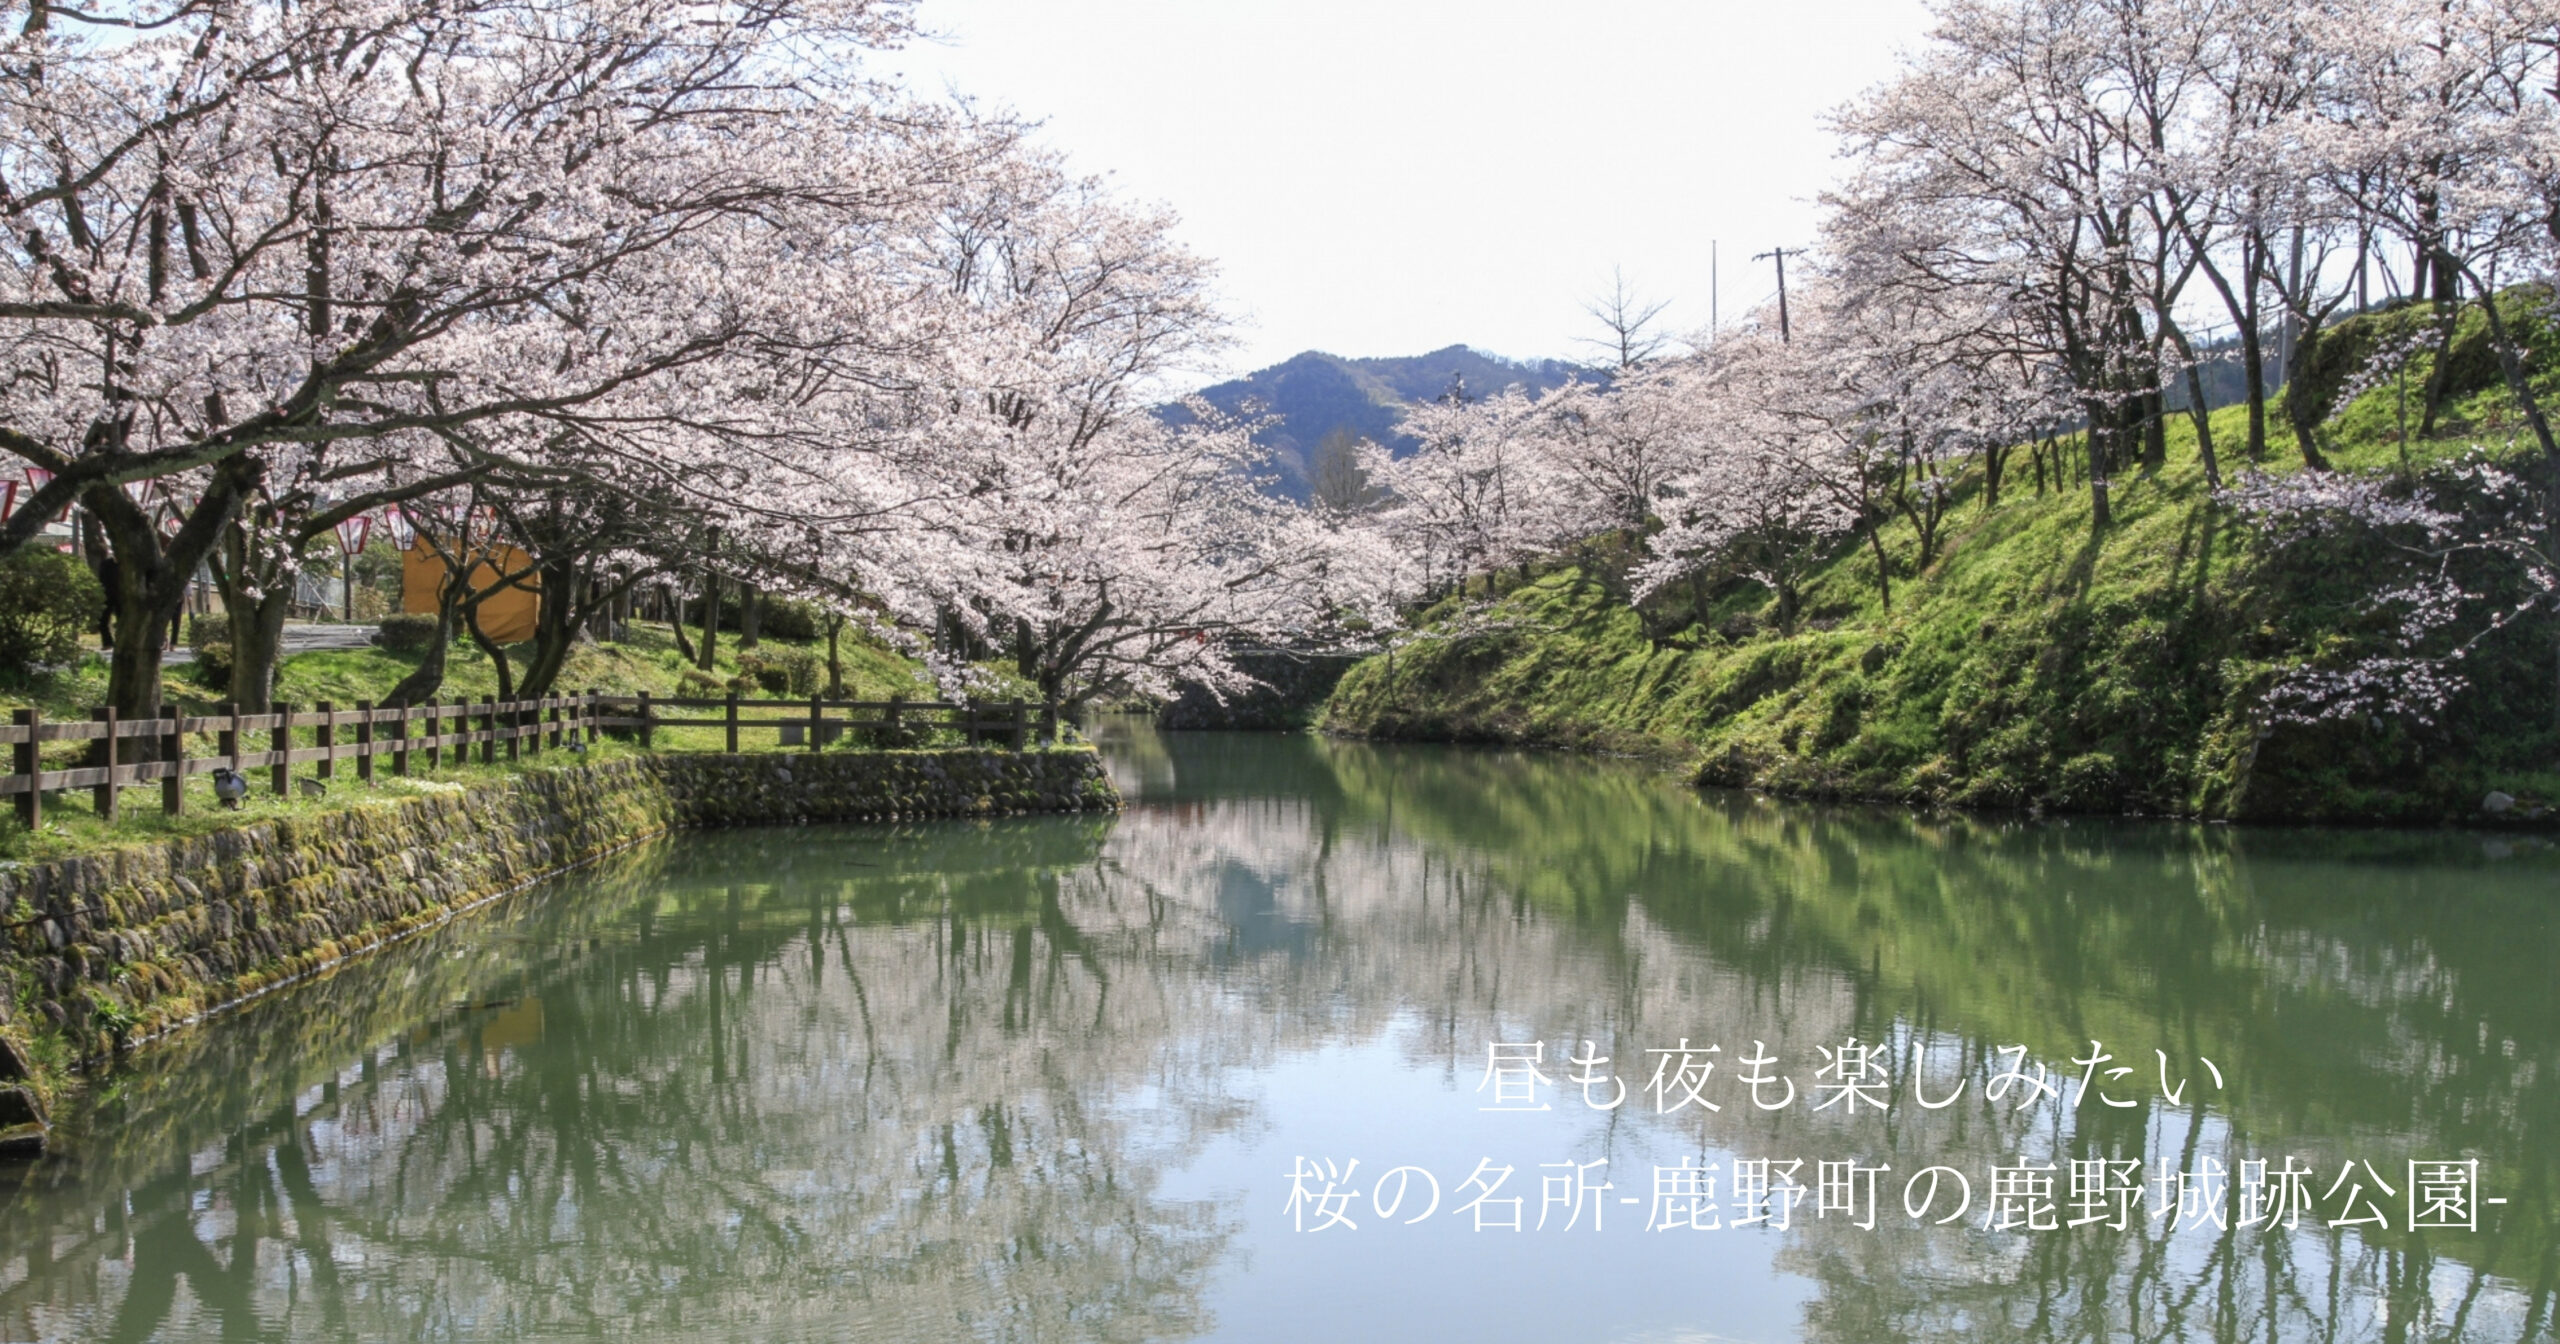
{"x":1313,"y":394}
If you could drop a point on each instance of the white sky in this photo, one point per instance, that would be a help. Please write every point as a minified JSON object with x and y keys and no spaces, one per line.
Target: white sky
{"x":1386,"y":177}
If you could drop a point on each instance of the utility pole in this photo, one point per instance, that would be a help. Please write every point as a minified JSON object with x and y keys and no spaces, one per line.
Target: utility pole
{"x":1781,"y":254}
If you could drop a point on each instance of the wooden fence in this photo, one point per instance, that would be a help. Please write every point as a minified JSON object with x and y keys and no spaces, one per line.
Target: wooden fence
{"x":424,"y":735}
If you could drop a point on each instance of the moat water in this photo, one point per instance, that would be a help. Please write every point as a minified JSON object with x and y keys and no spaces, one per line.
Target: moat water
{"x":1108,"y":1079}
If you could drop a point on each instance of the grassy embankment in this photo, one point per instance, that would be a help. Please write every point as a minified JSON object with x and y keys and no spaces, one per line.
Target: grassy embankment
{"x":646,"y":661}
{"x":2035,"y":663}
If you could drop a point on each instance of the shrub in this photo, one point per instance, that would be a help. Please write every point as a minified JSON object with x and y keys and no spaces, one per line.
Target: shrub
{"x":209,"y":636}
{"x":697,"y":683}
{"x":905,"y":735}
{"x":47,"y":601}
{"x":782,"y":671}
{"x":789,"y":618}
{"x":800,"y":670}
{"x":406,"y":633}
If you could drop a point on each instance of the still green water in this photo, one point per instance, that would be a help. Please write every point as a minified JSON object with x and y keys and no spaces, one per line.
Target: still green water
{"x":1049,"y":1080}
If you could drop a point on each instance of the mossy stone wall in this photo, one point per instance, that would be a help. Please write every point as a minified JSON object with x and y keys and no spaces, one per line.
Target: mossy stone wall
{"x":101,"y":951}
{"x":763,"y":790}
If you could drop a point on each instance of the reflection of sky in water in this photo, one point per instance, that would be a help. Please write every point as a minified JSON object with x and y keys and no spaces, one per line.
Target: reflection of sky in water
{"x":1442,"y":1279}
{"x":1046,"y":1079}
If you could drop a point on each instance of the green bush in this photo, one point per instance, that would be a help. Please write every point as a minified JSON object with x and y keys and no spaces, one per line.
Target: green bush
{"x":782,"y":671}
{"x":801,"y":670}
{"x":906,"y":734}
{"x":47,"y":601}
{"x":209,"y":636}
{"x":406,"y":633}
{"x":789,"y":618}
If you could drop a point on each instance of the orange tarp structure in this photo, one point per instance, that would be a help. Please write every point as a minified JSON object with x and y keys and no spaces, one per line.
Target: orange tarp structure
{"x":506,"y":616}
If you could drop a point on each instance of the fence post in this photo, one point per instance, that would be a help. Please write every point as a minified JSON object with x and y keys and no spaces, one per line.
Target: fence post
{"x":589,"y":714}
{"x":435,"y":729}
{"x":1049,"y":720}
{"x":173,"y":749}
{"x":103,"y":797}
{"x":326,"y":737}
{"x":226,"y":742}
{"x":889,"y":718}
{"x":554,"y":729}
{"x":30,"y":803}
{"x":648,"y":729}
{"x":1021,"y":725}
{"x":733,"y":721}
{"x":364,"y":742}
{"x":817,"y":715}
{"x":400,"y":743}
{"x":489,"y":727}
{"x":280,"y":775}
{"x":514,"y":716}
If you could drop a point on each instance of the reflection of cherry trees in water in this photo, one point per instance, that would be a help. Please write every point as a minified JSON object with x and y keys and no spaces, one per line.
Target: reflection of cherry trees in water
{"x":930,"y":1085}
{"x":760,"y":1112}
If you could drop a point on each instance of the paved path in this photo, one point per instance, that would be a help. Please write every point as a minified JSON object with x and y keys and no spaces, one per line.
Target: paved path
{"x":299,"y":637}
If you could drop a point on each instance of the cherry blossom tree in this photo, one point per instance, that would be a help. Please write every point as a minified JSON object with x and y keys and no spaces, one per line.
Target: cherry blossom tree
{"x":238,"y":232}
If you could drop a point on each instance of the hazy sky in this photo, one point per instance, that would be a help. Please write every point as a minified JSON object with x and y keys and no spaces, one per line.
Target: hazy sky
{"x":1386,"y":177}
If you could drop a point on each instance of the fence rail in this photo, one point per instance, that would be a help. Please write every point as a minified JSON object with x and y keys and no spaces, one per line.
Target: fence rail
{"x":428,"y":733}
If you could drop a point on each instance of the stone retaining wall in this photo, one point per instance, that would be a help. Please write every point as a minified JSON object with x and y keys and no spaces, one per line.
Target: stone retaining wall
{"x":101,"y":951}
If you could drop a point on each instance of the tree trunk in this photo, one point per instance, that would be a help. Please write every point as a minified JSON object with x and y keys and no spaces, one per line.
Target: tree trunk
{"x":2431,"y":400}
{"x":2204,"y":429}
{"x":423,"y":683}
{"x":1884,"y":575}
{"x":2096,"y":445}
{"x":497,"y":655}
{"x":673,"y":601}
{"x":710,"y":651}
{"x":2511,"y":368}
{"x":133,"y":665}
{"x":151,"y":574}
{"x":567,"y":604}
{"x":257,"y":641}
{"x":2253,"y":359}
{"x":2196,"y":408}
{"x":750,"y":615}
{"x":2155,"y":428}
{"x":835,"y":659}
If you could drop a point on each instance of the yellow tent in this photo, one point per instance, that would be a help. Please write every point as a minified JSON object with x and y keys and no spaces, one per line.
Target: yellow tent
{"x":507,"y":616}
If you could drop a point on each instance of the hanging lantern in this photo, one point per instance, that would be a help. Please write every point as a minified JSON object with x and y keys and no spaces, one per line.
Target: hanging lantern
{"x":354,"y":532}
{"x":8,"y":498}
{"x":404,"y":530}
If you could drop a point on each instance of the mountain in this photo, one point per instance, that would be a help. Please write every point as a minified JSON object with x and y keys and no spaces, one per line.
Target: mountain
{"x":1312,"y":394}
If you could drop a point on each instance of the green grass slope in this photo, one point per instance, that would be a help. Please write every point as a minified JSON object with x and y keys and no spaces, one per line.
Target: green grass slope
{"x":2036,"y":664}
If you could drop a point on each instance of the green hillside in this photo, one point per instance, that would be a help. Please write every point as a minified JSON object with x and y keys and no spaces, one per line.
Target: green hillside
{"x":2037,"y":663}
